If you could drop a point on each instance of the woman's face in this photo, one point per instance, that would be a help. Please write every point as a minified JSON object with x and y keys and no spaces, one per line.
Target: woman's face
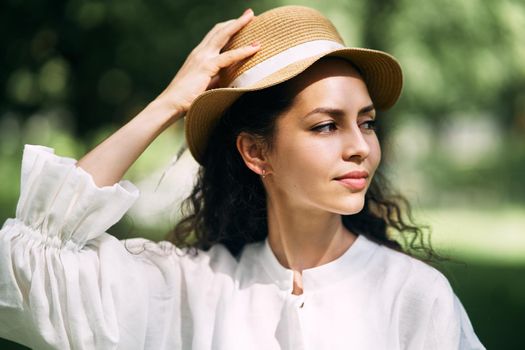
{"x":325,"y":159}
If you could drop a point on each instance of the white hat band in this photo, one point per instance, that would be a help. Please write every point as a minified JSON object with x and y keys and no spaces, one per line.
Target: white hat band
{"x":281,"y":60}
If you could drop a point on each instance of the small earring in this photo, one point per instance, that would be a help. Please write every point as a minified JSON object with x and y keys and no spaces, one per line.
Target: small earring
{"x":264,"y":173}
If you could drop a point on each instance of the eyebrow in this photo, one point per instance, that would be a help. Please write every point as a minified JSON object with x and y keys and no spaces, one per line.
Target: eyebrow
{"x":336,"y":112}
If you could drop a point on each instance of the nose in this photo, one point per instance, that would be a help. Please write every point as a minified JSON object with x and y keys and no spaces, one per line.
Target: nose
{"x":355,"y":144}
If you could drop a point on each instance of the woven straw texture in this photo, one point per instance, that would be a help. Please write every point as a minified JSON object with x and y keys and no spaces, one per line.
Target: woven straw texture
{"x":277,"y":30}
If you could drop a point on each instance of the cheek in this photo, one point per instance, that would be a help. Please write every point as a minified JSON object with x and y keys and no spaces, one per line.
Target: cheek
{"x":375,"y":153}
{"x":302,"y":158}
{"x":299,"y":166}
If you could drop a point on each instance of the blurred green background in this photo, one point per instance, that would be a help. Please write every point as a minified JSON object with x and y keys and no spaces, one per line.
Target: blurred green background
{"x":73,"y":71}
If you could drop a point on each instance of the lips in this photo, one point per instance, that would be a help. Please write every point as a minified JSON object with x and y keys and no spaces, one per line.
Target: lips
{"x":355,"y":180}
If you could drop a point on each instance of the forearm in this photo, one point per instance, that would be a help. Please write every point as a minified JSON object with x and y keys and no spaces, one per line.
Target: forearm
{"x":108,"y":162}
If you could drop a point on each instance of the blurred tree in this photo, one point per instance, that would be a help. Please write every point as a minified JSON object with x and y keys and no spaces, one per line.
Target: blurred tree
{"x":100,"y":60}
{"x":473,"y":47}
{"x":457,"y":55}
{"x":104,"y":60}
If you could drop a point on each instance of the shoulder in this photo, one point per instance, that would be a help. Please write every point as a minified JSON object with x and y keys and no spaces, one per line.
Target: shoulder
{"x":414,"y":274}
{"x":428,"y":313}
{"x":412,"y":267}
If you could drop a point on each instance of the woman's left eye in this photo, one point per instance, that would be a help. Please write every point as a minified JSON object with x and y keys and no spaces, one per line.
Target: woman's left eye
{"x":327,"y":127}
{"x":369,"y":125}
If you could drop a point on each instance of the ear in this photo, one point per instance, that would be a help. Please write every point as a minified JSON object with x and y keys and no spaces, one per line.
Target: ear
{"x":253,"y":152}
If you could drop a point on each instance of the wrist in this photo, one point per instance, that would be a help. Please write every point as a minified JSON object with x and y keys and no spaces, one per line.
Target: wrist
{"x":156,"y":117}
{"x":163,"y":111}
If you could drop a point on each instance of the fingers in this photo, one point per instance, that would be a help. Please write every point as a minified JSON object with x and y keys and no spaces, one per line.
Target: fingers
{"x":225,"y":30}
{"x":208,"y":56}
{"x":233,"y":56}
{"x":207,"y":38}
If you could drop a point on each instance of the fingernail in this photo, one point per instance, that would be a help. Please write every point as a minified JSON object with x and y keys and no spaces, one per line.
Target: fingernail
{"x":247,"y":11}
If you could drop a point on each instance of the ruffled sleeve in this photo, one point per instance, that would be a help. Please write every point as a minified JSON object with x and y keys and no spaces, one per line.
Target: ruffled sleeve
{"x":61,"y":205}
{"x":448,"y":325}
{"x":64,"y":282}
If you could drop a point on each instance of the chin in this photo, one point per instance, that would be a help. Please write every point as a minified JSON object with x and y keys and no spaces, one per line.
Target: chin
{"x":352,"y":207}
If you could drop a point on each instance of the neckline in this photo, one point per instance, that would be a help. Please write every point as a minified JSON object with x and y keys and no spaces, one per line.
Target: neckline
{"x":353,"y":260}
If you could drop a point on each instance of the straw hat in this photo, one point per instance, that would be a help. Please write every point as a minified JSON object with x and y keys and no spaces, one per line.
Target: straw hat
{"x":292,"y":38}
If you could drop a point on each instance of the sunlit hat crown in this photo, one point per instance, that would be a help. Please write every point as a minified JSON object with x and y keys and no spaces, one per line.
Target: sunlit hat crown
{"x":292,"y":38}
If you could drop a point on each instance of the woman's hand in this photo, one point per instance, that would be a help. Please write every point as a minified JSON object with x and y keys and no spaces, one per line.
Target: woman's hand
{"x":108,"y":162}
{"x":200,"y":70}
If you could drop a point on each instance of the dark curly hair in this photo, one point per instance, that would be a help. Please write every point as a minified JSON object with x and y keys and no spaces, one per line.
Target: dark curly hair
{"x":228,"y":203}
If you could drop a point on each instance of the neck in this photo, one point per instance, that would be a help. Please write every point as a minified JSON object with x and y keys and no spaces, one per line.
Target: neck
{"x":302,"y":239}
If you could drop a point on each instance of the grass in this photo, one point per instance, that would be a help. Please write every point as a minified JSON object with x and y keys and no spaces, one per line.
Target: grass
{"x":489,"y":236}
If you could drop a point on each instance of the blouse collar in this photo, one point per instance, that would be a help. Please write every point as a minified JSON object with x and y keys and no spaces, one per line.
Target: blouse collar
{"x":352,"y":261}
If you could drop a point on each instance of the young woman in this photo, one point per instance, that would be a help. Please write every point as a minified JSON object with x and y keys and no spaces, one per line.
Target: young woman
{"x":288,"y":224}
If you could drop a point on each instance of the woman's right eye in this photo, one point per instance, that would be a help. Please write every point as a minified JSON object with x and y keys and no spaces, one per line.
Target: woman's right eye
{"x":324,"y":128}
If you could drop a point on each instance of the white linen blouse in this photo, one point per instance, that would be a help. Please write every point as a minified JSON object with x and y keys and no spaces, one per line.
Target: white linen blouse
{"x":66,"y":284}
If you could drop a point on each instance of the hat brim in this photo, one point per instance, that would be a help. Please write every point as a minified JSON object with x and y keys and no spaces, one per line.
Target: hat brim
{"x":380,"y":71}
